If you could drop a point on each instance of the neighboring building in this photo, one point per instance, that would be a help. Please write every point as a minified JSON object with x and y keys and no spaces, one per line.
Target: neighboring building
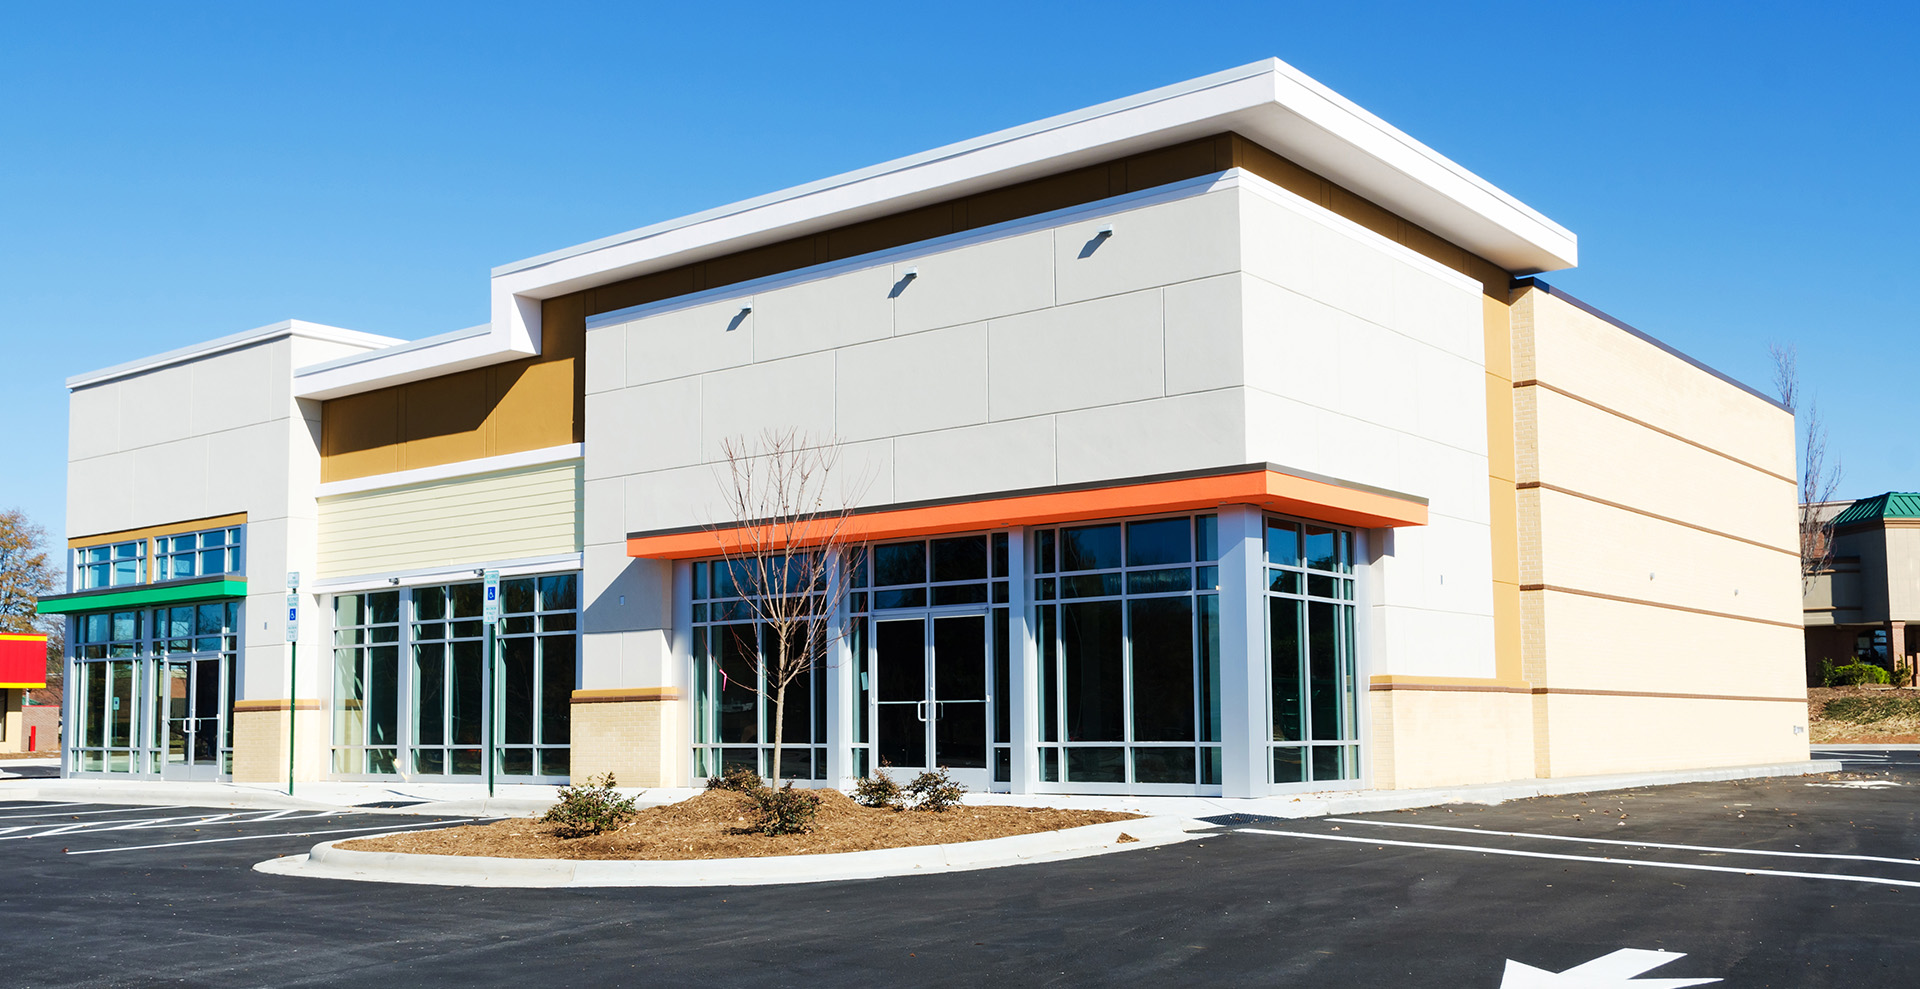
{"x":1218,"y":441}
{"x":1863,"y":603}
{"x":23,"y":667}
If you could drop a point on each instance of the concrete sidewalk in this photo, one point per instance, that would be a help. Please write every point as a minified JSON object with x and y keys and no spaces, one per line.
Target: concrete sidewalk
{"x":471,"y":800}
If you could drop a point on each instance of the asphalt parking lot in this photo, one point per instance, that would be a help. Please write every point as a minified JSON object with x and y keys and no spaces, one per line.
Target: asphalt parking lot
{"x":1800,"y":881}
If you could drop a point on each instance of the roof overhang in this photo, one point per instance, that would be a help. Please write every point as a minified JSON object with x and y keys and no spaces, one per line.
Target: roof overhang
{"x":1269,"y":102}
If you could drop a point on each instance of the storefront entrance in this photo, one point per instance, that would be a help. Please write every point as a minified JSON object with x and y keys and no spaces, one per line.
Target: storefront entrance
{"x":932,"y":699}
{"x":190,"y":716}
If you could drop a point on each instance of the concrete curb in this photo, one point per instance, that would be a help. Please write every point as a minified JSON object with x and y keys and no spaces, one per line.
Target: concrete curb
{"x":329,"y":861}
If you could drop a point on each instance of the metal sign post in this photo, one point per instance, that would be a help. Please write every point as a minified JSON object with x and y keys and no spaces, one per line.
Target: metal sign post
{"x":293,"y":667}
{"x":490,"y":616}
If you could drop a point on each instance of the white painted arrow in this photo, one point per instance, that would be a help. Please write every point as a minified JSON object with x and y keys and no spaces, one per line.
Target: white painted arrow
{"x":1611,"y":971}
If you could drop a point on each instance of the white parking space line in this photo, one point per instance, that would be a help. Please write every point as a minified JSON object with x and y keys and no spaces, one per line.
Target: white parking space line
{"x":1635,"y":863}
{"x":78,"y":813}
{"x":256,"y":837}
{"x":49,"y":828}
{"x":1631,"y":844}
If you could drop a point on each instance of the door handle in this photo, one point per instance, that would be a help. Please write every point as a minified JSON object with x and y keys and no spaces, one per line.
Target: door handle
{"x":920,"y":708}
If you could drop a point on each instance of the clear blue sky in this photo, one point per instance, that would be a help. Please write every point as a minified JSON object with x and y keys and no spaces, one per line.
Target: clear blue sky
{"x":169,"y":173}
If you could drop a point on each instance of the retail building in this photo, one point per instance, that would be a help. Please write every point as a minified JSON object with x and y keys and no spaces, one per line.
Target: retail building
{"x":1217,"y":441}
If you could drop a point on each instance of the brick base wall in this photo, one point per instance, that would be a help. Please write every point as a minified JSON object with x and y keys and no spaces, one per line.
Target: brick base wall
{"x":629,"y":733}
{"x":260,"y":741}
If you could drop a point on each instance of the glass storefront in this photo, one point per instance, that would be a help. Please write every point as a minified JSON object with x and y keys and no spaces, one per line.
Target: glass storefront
{"x":437,"y":713}
{"x":1128,"y":674}
{"x":155,"y":691}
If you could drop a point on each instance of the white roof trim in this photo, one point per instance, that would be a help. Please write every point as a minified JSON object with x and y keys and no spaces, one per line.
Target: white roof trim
{"x":428,"y":357}
{"x":1269,"y":102}
{"x":284,"y":328}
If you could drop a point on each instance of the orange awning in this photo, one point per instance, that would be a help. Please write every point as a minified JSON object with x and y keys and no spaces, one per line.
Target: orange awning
{"x":1264,"y":488}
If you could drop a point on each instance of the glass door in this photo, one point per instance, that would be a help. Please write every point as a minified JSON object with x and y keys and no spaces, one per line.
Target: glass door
{"x":191,"y":702}
{"x":932,"y":703}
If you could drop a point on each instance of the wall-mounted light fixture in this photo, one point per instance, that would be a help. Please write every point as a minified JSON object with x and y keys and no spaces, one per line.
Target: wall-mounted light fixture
{"x":1106,"y":231}
{"x":910,"y":273}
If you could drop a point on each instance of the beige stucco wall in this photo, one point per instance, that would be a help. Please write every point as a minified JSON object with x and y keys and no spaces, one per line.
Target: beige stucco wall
{"x":1424,"y":738}
{"x":1658,"y":554}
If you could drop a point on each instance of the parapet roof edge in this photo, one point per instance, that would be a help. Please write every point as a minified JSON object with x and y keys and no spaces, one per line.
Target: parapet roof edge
{"x":397,"y":347}
{"x":1373,"y":126}
{"x":1650,"y":338}
{"x":272,"y":331}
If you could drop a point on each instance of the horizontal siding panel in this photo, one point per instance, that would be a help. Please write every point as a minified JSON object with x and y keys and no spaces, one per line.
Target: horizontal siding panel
{"x":532,"y":511}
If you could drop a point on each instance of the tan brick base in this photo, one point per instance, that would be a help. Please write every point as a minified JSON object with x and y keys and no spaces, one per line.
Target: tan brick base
{"x":629,"y":733}
{"x":1452,"y":737}
{"x":260,"y":741}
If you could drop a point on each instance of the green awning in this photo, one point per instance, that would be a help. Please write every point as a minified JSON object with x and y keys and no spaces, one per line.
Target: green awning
{"x":144,"y":596}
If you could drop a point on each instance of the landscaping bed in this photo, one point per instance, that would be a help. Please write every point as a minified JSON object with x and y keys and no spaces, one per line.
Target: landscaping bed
{"x":1863,"y":714}
{"x":718,"y":824}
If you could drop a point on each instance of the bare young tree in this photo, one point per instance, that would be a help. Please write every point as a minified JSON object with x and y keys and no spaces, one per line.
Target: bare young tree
{"x":791,"y":513}
{"x":1819,"y":479}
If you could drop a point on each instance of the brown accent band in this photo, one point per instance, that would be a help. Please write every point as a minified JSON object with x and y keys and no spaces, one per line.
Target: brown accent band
{"x":1659,"y":604}
{"x":277,"y":704}
{"x":1471,"y":688}
{"x":148,"y":532}
{"x":1537,"y":383}
{"x":1524,"y":485}
{"x":1580,"y":691}
{"x":626,"y":695}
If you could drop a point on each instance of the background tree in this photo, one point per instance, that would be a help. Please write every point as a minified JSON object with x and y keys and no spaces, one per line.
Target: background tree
{"x":1819,"y":479}
{"x":790,"y":526}
{"x":26,"y":572}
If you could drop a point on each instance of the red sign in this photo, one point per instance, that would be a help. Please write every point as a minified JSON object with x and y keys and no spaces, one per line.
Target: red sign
{"x":23,"y":660}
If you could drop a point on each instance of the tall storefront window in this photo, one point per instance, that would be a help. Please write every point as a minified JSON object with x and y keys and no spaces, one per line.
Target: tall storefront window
{"x":439,"y":713}
{"x":1310,"y":614}
{"x":733,"y":717}
{"x":366,"y":683}
{"x":1126,"y":619}
{"x":156,"y":689}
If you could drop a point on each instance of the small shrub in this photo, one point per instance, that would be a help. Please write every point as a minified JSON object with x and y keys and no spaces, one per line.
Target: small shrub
{"x":784,"y":810}
{"x":1856,"y":673}
{"x":1826,"y":672}
{"x":1902,"y":674}
{"x":739,"y":779}
{"x":935,"y":791}
{"x":877,"y":790}
{"x":589,"y":810}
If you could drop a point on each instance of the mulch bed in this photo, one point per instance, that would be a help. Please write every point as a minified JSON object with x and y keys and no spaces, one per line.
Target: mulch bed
{"x":29,"y":755}
{"x":1898,"y":730}
{"x":710,"y":826}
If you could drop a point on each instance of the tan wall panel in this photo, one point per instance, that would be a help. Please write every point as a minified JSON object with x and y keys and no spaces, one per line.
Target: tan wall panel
{"x":1578,"y":352}
{"x":1599,"y":644}
{"x":530,"y":404}
{"x":1591,"y":735}
{"x":1453,"y":737}
{"x":444,"y":419}
{"x":1582,"y":449}
{"x":1597,"y":548}
{"x":506,"y":515}
{"x":260,"y":745}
